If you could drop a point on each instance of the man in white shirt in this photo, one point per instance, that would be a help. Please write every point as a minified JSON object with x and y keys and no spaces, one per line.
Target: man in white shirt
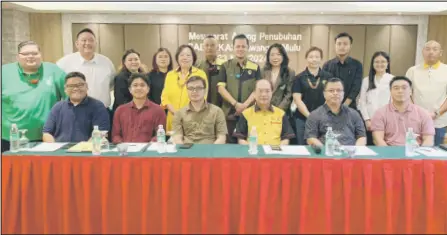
{"x":98,"y":69}
{"x":430,"y":87}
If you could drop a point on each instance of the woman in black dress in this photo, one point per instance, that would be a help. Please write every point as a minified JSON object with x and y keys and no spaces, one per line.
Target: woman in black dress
{"x":161,"y":65}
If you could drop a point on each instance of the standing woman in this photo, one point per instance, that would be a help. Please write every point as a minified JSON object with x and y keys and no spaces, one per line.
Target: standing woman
{"x":161,"y":65}
{"x":130,"y":63}
{"x":308,"y":90}
{"x":277,"y":70}
{"x":175,"y":95}
{"x":375,"y":91}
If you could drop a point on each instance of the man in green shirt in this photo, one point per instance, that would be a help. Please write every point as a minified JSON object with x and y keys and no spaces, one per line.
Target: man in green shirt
{"x":211,"y":65}
{"x":237,"y":78}
{"x":30,"y":88}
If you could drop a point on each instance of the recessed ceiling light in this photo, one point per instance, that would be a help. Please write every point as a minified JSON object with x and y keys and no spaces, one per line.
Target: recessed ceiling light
{"x":399,"y":13}
{"x":245,"y":13}
{"x":322,"y":13}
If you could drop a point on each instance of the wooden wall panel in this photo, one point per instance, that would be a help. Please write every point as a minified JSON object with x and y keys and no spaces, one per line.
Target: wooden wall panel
{"x":144,"y":38}
{"x":112,"y":44}
{"x":377,"y":39}
{"x":358,"y":34}
{"x":75,"y":28}
{"x":320,"y":38}
{"x":46,"y":30}
{"x":183,"y":33}
{"x":402,"y":48}
{"x":169,"y":39}
{"x":437,"y":30}
{"x":306,"y":43}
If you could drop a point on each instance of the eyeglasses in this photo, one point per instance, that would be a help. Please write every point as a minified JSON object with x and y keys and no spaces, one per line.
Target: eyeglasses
{"x":194,"y":89}
{"x":73,"y":86}
{"x":32,"y":53}
{"x":332,"y":91}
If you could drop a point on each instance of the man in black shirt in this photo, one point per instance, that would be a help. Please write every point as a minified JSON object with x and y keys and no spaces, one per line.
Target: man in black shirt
{"x":348,"y":69}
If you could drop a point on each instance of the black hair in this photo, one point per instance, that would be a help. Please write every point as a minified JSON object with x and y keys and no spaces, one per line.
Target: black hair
{"x":26,"y":43}
{"x":74,"y":75}
{"x":136,"y":76}
{"x":241,"y":36}
{"x":314,"y":49}
{"x":372,"y":71}
{"x":333,"y":80}
{"x":154,"y":59}
{"x":400,"y":78}
{"x":123,"y":59}
{"x":210,"y":36}
{"x":180,"y":49}
{"x":196,"y":78}
{"x":284,"y":70}
{"x":344,"y":34}
{"x":85,"y":30}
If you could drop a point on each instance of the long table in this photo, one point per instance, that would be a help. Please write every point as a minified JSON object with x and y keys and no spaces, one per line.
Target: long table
{"x":222,"y":189}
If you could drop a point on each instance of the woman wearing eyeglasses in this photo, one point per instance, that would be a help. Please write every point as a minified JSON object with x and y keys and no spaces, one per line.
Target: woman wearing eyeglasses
{"x":175,"y":95}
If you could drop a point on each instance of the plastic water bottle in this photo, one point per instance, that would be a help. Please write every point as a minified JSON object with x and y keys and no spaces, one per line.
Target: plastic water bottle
{"x":410,"y":143}
{"x":161,"y":139}
{"x":96,"y":141}
{"x":253,"y":142}
{"x":329,"y":144}
{"x":14,"y":139}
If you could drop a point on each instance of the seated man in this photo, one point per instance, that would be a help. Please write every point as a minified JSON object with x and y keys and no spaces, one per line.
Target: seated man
{"x":344,"y":121}
{"x":138,"y":120}
{"x":72,"y":120}
{"x":199,"y":122}
{"x":391,"y":122}
{"x":272,"y":124}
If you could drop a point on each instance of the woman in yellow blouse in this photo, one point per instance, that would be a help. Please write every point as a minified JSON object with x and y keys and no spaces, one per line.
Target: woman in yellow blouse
{"x":175,"y":95}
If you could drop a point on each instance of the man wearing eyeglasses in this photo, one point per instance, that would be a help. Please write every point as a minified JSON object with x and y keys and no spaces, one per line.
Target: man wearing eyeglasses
{"x":211,"y":65}
{"x":72,"y":120}
{"x":345,"y":121}
{"x":199,"y":122}
{"x":30,"y":88}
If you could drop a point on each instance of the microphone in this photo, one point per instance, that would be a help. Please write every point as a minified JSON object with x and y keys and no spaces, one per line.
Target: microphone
{"x":316,"y":148}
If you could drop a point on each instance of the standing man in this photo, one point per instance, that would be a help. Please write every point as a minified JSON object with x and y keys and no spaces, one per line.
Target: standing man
{"x":99,"y":70}
{"x":237,"y":78}
{"x":430,"y":87}
{"x":348,"y":69}
{"x":211,"y":65}
{"x":30,"y":88}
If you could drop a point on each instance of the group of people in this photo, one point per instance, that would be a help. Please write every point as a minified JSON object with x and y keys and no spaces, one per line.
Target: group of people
{"x":214,"y":101}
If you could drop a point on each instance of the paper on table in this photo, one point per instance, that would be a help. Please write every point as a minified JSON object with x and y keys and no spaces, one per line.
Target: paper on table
{"x":363,"y":151}
{"x":432,"y":152}
{"x":152,"y":147}
{"x":287,"y":150}
{"x":132,"y":147}
{"x":47,"y":147}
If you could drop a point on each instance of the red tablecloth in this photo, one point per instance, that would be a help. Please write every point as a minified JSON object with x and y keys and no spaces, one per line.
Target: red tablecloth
{"x":196,"y":195}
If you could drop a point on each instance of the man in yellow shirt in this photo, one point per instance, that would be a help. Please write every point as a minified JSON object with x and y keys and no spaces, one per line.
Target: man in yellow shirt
{"x":272,"y":124}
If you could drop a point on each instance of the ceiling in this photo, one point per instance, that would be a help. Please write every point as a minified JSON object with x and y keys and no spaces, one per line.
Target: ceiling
{"x":236,"y":8}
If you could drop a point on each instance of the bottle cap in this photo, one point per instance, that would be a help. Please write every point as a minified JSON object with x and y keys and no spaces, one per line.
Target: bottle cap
{"x":160,"y":126}
{"x":14,"y":125}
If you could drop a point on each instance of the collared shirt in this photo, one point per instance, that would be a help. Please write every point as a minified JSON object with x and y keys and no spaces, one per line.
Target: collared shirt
{"x":27,"y":104}
{"x":371,"y":100}
{"x":238,"y":80}
{"x":212,"y":72}
{"x":395,"y":124}
{"x":201,"y":127}
{"x":157,"y":80}
{"x":347,"y":123}
{"x":282,"y":88}
{"x":272,"y":125}
{"x":131,"y":124}
{"x":351,"y":73}
{"x":70,"y":123}
{"x":99,"y":73}
{"x":430,"y":88}
{"x":175,"y":92}
{"x":311,"y":89}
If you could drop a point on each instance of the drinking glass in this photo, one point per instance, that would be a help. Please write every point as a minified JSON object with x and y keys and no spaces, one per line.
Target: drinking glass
{"x":23,"y":141}
{"x":170,"y":145}
{"x":122,"y":149}
{"x":350,"y":150}
{"x":105,"y":145}
{"x":337,"y":145}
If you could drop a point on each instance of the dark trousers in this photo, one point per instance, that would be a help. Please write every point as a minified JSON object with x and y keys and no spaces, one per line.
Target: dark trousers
{"x":231,"y":125}
{"x":369,"y":138}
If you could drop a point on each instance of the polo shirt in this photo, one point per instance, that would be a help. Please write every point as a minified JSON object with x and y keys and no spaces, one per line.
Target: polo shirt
{"x":430,"y":88}
{"x":347,"y":123}
{"x":70,"y":123}
{"x":395,"y":124}
{"x":131,"y":124}
{"x":28,"y":103}
{"x":350,"y":72}
{"x":238,"y":80}
{"x":272,"y":125}
{"x":201,"y":127}
{"x":311,"y":89}
{"x":99,"y":73}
